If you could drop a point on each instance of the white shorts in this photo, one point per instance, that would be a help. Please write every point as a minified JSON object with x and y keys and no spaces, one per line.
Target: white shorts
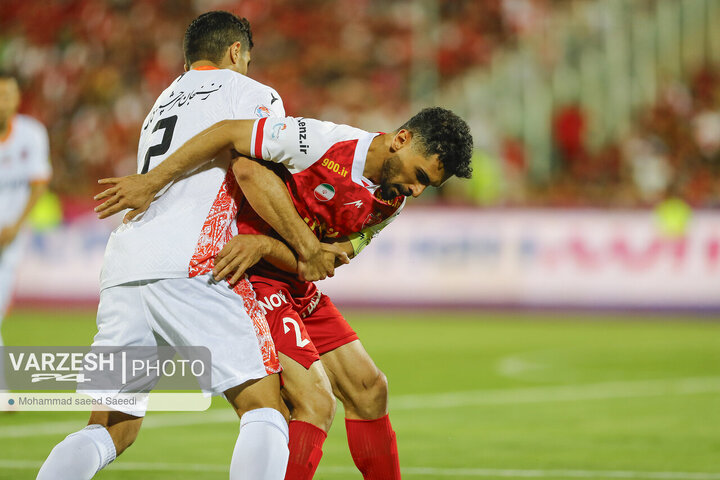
{"x":193,"y":311}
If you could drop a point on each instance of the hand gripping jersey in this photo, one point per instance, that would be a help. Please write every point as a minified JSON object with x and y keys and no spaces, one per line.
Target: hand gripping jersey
{"x":192,"y":218}
{"x":23,"y":160}
{"x":324,"y":175}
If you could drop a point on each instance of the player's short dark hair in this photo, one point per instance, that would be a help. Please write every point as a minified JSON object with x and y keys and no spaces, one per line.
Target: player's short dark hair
{"x":210,"y":34}
{"x":439,"y":131}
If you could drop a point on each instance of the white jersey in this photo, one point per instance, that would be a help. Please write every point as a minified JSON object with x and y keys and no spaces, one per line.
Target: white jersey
{"x":193,"y":217}
{"x":23,"y":160}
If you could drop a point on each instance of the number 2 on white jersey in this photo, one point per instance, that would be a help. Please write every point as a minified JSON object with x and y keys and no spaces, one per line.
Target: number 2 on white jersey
{"x":167,"y":124}
{"x":298,"y":335}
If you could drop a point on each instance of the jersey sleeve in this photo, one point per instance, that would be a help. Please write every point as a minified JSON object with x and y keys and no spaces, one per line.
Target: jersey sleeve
{"x":39,"y":159}
{"x":295,"y":142}
{"x":361,"y":239}
{"x":251,"y":99}
{"x":276,"y":106}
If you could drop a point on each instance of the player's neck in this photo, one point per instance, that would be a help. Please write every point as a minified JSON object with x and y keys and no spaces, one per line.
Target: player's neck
{"x":376,"y":155}
{"x":204,"y":63}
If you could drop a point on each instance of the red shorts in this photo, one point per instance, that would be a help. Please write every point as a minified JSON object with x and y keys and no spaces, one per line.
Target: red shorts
{"x":303,"y":328}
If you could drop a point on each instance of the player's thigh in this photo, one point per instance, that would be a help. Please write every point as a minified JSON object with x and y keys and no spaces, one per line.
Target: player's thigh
{"x":356,"y":380}
{"x":354,"y":377}
{"x":305,"y":384}
{"x":308,"y":391}
{"x":198,"y":311}
{"x":122,"y":322}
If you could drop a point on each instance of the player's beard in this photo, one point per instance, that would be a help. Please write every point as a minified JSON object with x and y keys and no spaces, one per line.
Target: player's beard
{"x":390,"y":169}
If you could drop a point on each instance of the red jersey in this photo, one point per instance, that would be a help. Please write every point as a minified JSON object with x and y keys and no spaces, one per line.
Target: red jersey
{"x":322,"y":167}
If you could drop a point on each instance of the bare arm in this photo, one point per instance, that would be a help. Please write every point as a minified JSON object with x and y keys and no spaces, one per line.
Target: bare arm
{"x":244,"y":251}
{"x":9,"y":232}
{"x":269,"y":197}
{"x":138,"y":191}
{"x":280,"y":256}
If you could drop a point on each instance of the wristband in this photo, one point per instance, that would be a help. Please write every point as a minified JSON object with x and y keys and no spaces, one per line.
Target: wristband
{"x":359,"y":241}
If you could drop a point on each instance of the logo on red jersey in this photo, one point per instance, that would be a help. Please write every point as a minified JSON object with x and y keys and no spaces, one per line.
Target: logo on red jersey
{"x":270,"y":302}
{"x":324,"y":192}
{"x":334,"y":167}
{"x":372,"y":219}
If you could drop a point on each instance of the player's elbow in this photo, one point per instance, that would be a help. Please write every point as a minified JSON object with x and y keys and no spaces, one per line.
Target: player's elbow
{"x":239,"y":133}
{"x":243,"y":170}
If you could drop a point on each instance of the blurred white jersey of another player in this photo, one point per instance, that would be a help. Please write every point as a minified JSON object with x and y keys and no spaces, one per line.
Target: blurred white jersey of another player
{"x":193,"y":217}
{"x":23,"y":160}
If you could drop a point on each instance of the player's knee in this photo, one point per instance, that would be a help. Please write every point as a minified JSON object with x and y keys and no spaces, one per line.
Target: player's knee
{"x":371,"y":398}
{"x":312,"y":402}
{"x":259,"y":402}
{"x":123,"y":436}
{"x":316,"y":407}
{"x":123,"y":428}
{"x":378,"y":392}
{"x":263,"y":393}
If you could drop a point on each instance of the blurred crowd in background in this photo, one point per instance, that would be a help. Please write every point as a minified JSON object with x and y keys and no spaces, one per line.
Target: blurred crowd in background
{"x":90,"y":70}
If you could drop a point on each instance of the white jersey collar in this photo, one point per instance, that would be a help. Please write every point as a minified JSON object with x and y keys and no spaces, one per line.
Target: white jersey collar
{"x":358,"y":165}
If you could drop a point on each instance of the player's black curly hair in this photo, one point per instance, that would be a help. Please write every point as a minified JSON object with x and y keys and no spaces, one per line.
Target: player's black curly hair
{"x":439,"y":131}
{"x":210,"y":34}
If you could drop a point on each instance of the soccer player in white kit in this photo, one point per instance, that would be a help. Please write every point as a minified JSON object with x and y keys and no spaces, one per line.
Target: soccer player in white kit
{"x":24,"y":175}
{"x":156,"y":283}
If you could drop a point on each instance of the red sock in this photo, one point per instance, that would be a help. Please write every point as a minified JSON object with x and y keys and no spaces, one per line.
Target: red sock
{"x":306,"y":441}
{"x":373,"y":447}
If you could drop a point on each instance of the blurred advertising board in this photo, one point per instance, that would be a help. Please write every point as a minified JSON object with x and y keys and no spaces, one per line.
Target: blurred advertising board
{"x":467,"y":258}
{"x":62,"y":265}
{"x":546,"y":258}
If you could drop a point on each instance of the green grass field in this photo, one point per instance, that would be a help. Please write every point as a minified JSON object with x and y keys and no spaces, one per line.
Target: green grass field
{"x":473,"y":395}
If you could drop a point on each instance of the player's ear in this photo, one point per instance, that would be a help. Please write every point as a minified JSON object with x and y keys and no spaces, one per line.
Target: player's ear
{"x":236,"y":53}
{"x":401,"y":139}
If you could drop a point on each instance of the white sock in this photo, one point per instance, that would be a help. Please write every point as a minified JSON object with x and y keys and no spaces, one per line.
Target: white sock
{"x":261,"y":451}
{"x":80,"y":456}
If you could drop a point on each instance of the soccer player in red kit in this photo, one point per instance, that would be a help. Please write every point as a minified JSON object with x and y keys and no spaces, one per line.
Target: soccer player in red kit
{"x":347,"y":184}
